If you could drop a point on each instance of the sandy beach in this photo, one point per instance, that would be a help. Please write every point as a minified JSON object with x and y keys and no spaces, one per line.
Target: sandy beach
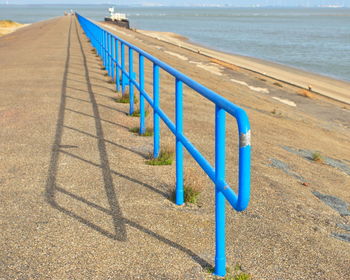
{"x":332,"y":88}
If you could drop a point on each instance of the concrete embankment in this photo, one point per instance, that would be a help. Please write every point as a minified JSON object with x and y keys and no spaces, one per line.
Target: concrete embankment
{"x":332,"y":88}
{"x":79,"y":202}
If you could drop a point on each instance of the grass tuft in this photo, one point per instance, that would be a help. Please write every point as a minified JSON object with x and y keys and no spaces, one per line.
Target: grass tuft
{"x":306,"y":93}
{"x":316,"y":156}
{"x":137,"y":113}
{"x":125,"y":99}
{"x":236,"y":274}
{"x":166,"y":157}
{"x":9,"y":23}
{"x":193,"y":186}
{"x":278,"y":84}
{"x":148,"y":132}
{"x":134,"y":129}
{"x":276,"y":113}
{"x":240,"y":276}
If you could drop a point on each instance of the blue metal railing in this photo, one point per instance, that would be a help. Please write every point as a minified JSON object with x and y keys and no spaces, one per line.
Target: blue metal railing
{"x":112,"y":51}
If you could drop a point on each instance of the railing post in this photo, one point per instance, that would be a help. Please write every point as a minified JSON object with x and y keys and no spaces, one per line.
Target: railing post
{"x":220,"y":131}
{"x":117,"y":76}
{"x":142,"y":99}
{"x":101,"y":42}
{"x":156,"y":128}
{"x":104,"y":49}
{"x":179,"y":189}
{"x":113,"y":58}
{"x":108,"y":60}
{"x":110,"y":54}
{"x":123,"y":66}
{"x":102,"y":46}
{"x":131,"y":85}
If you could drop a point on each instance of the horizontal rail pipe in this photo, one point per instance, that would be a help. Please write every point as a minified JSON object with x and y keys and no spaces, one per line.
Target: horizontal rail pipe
{"x":115,"y":65}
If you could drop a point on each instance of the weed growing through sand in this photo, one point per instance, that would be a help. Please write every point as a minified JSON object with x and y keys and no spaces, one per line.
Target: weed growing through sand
{"x":236,"y":274}
{"x":193,"y":186}
{"x":316,"y":156}
{"x":305,"y":93}
{"x":166,"y":157}
{"x":278,"y":84}
{"x":125,"y":99}
{"x":148,"y":131}
{"x":103,"y":68}
{"x":276,"y":113}
{"x":137,"y":113}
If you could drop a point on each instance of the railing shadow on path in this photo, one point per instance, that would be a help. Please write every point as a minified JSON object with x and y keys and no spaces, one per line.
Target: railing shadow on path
{"x":119,"y":221}
{"x":99,"y":94}
{"x":98,"y":104}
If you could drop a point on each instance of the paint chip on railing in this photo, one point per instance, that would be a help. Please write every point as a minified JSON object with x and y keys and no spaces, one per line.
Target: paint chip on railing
{"x":244,"y":139}
{"x":257,"y":89}
{"x":285,"y":101}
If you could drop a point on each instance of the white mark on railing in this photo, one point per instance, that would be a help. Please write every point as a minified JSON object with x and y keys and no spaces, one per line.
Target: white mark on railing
{"x":244,"y":139}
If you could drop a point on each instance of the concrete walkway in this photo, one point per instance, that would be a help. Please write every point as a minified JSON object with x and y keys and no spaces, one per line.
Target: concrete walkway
{"x":78,"y":202}
{"x":72,"y":207}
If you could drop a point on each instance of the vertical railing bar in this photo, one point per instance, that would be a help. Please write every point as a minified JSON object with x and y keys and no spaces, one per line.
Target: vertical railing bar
{"x":104,"y":50}
{"x":117,"y":76}
{"x":220,"y":131}
{"x":156,"y":127}
{"x":113,"y":58}
{"x":108,"y":60}
{"x":109,"y":55}
{"x":142,"y":99}
{"x":122,"y":46}
{"x":131,"y":85}
{"x":179,"y":189}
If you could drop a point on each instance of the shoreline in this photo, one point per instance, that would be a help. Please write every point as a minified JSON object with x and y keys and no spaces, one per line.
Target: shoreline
{"x":326,"y":86}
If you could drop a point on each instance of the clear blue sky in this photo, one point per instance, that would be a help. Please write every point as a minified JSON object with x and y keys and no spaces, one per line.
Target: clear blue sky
{"x":189,"y":2}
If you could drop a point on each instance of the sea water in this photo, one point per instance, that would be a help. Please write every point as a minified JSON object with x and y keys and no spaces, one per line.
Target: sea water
{"x":313,"y":39}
